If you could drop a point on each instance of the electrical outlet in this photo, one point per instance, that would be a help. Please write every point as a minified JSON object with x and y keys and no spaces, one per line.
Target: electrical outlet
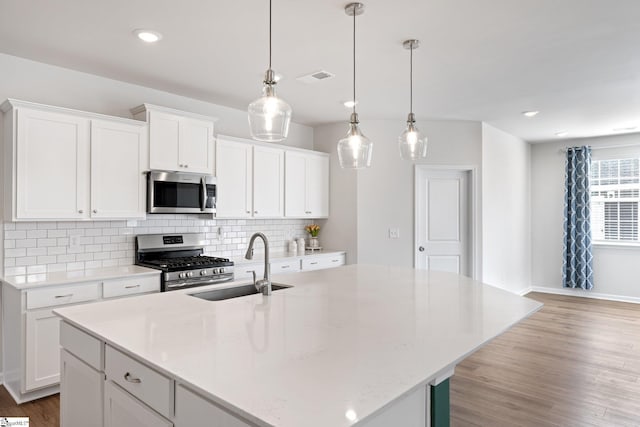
{"x":74,"y":241}
{"x":394,"y":233}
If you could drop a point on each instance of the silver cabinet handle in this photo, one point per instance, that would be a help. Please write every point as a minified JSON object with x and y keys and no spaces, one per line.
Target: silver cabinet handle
{"x":335,"y":260}
{"x":285,"y":266}
{"x":421,"y":248}
{"x":248,"y":212}
{"x":64,"y":296}
{"x":132,"y":379}
{"x":255,"y":212}
{"x":80,"y":211}
{"x":95,"y":211}
{"x":313,"y":263}
{"x":132,"y":286}
{"x":186,"y":166}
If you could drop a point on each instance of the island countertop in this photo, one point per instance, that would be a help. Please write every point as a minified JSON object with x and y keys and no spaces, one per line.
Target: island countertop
{"x":333,"y":350}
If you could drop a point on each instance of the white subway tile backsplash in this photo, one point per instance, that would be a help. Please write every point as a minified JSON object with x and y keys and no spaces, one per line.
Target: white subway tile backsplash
{"x":15,"y":271}
{"x":15,"y":234}
{"x":44,"y":246}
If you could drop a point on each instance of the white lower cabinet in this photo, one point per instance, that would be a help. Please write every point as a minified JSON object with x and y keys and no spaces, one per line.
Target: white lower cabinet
{"x":32,"y":351}
{"x":193,"y":410}
{"x":42,"y":367}
{"x":81,"y":393}
{"x":123,"y":410}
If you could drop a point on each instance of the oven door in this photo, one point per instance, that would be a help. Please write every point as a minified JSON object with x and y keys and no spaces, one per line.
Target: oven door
{"x":169,"y":192}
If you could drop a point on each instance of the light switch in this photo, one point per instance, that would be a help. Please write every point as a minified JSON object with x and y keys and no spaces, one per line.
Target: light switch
{"x":394,"y":233}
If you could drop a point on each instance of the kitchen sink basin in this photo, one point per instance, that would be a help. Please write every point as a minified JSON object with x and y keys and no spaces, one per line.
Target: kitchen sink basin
{"x":235,"y":292}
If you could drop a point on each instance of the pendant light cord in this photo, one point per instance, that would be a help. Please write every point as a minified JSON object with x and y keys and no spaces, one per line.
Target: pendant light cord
{"x":411,"y":81}
{"x":269,"y":34}
{"x":354,"y":58}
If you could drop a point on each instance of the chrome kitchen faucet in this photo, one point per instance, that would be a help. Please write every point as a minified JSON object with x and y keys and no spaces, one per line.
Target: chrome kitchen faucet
{"x":263,"y":285}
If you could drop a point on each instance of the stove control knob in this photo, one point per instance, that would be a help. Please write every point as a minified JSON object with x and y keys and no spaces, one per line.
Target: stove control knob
{"x":221,"y":270}
{"x":203,"y":272}
{"x":182,"y":275}
{"x":214,"y":271}
{"x":190,"y":274}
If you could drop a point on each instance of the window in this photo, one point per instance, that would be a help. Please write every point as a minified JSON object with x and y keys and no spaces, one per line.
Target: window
{"x":615,"y":194}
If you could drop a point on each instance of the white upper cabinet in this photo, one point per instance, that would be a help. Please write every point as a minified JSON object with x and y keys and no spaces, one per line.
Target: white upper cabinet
{"x":306,"y":185}
{"x":118,"y":152}
{"x":250,"y":179}
{"x":235,"y":180}
{"x":63,"y":164}
{"x":178,"y":141}
{"x":268,"y":182}
{"x":51,"y":152}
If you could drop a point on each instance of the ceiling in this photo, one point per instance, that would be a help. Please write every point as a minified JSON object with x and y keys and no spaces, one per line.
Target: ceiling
{"x":576,"y":61}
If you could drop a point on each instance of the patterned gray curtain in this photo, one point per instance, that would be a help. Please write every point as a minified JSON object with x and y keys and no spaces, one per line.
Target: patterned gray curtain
{"x":577,"y":265}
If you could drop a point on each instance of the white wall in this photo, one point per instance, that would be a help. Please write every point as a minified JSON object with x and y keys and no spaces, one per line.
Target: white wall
{"x":506,"y":210}
{"x":364,"y":204}
{"x":46,"y":84}
{"x":616,"y":270}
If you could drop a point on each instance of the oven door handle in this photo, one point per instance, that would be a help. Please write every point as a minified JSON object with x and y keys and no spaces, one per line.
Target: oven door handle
{"x":203,"y":194}
{"x":198,"y":283}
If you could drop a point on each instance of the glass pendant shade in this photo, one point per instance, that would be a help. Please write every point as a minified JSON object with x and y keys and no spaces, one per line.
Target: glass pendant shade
{"x":355,"y":150}
{"x":413,"y":145}
{"x":269,"y":116}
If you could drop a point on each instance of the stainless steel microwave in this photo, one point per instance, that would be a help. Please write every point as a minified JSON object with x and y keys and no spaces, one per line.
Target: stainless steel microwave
{"x":178,"y":192}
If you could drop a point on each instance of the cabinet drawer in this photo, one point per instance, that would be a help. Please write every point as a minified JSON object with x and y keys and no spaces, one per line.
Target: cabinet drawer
{"x":324,"y":261}
{"x":82,"y":345}
{"x":285,"y":266}
{"x":50,"y":297}
{"x":130,"y":286}
{"x":141,"y":381}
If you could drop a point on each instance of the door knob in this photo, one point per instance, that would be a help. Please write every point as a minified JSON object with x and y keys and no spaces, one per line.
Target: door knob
{"x":421,"y":248}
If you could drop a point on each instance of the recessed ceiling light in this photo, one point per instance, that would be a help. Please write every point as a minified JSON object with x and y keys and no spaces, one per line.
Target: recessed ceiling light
{"x":530,"y":113}
{"x":562,"y":133}
{"x":350,"y":104}
{"x":147,"y":35}
{"x":627,"y":129}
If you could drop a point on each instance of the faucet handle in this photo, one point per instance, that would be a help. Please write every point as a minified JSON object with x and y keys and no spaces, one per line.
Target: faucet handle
{"x":253,"y":272}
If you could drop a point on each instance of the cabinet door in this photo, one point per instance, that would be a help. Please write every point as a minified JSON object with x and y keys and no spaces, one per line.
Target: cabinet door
{"x":193,"y":410}
{"x":52,"y":166}
{"x":233,"y":167}
{"x":117,"y":182}
{"x":295,"y":185}
{"x":42,"y":364}
{"x":164,"y":137}
{"x":123,"y":410}
{"x":80,"y":393}
{"x":196,"y":150}
{"x":268,"y":182}
{"x":317,"y":186}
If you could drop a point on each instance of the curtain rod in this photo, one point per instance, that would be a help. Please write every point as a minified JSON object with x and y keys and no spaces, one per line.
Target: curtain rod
{"x":564,"y":150}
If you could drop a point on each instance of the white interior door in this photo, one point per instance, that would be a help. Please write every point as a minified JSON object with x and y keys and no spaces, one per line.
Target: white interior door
{"x":442,"y":220}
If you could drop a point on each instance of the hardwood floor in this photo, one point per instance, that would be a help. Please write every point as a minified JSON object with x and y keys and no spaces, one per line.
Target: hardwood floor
{"x":574,"y":363}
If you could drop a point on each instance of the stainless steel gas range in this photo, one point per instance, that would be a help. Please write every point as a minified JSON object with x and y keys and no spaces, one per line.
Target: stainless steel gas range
{"x":180,"y":258}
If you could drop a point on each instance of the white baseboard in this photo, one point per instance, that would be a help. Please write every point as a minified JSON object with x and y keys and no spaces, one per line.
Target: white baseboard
{"x":524,"y":291}
{"x":582,"y":293}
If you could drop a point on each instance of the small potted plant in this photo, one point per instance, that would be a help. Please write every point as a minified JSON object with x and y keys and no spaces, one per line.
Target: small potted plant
{"x":313,"y":230}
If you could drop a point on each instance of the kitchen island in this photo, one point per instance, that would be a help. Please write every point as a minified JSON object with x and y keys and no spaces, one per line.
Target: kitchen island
{"x":356,"y":345}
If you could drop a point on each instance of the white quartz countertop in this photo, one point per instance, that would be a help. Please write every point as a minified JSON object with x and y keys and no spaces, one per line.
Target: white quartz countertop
{"x":28,"y":281}
{"x":283,"y":256}
{"x":348,"y":340}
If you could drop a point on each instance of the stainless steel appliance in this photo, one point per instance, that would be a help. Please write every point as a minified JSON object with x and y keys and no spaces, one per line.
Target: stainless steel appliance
{"x":179,"y":192}
{"x":181,"y":259}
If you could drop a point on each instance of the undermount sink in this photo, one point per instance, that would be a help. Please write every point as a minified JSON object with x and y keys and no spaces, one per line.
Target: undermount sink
{"x":235,"y":292}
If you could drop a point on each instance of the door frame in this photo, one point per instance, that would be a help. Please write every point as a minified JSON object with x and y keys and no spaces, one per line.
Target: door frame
{"x":474,"y":212}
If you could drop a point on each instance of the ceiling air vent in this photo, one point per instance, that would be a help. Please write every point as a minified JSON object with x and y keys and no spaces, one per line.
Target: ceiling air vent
{"x":316,"y":76}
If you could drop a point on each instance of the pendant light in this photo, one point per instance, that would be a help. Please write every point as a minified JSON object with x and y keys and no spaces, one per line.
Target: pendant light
{"x":413,"y":145}
{"x":354,"y":151}
{"x":269,"y":116}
